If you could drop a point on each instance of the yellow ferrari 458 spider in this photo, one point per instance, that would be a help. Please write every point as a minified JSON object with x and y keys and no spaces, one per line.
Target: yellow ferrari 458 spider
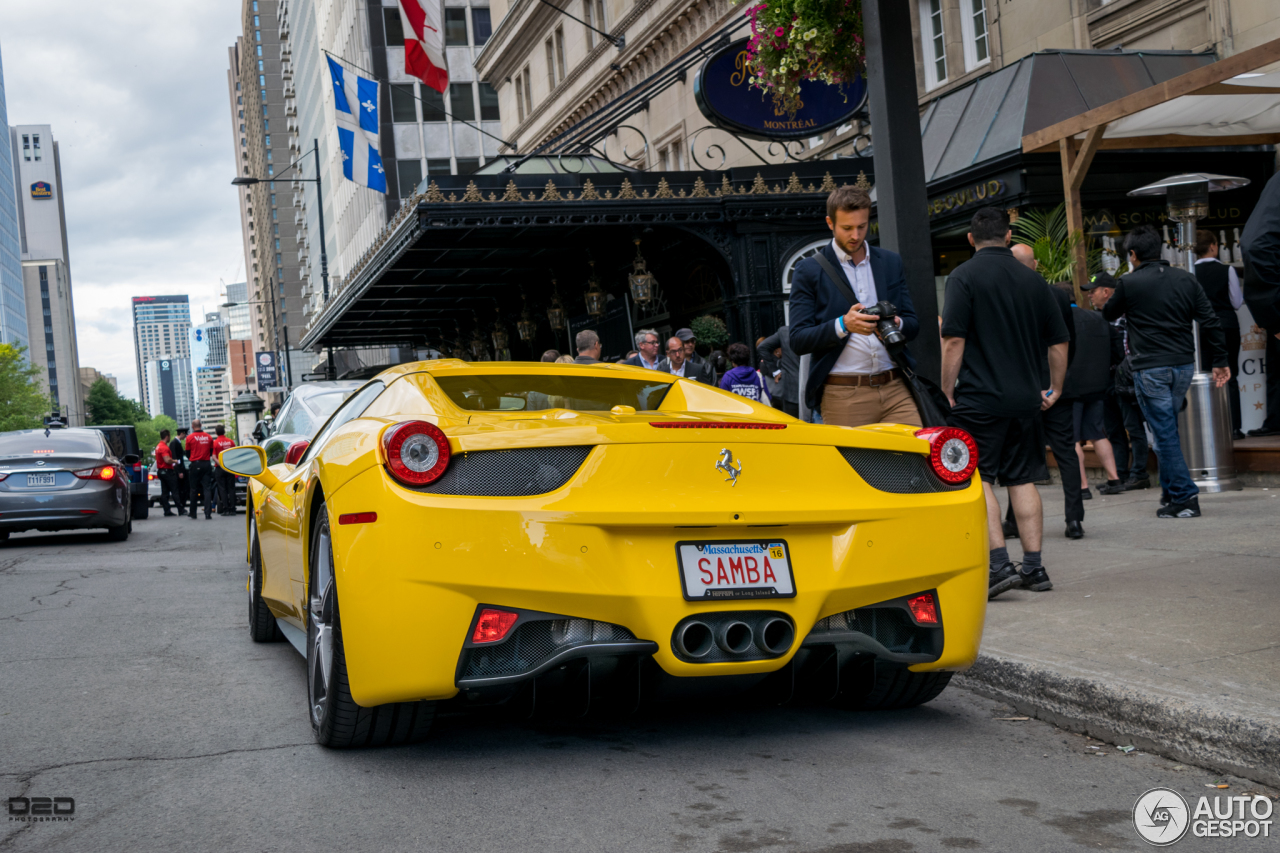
{"x":589,"y":536}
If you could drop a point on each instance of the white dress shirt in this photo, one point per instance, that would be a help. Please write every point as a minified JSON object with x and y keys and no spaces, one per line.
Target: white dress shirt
{"x":684,"y":366}
{"x":862,"y":354}
{"x":1234,"y":291}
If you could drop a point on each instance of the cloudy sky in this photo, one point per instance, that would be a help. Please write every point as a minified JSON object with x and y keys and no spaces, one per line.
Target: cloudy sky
{"x":136,"y":94}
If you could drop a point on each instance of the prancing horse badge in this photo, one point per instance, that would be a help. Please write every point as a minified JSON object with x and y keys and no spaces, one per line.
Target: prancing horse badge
{"x":726,"y":465}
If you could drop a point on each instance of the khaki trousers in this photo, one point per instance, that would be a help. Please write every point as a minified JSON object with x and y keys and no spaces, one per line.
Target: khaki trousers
{"x":855,"y":406}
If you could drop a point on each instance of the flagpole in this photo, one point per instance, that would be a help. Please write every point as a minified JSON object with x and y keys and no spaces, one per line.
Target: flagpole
{"x":324,"y":255}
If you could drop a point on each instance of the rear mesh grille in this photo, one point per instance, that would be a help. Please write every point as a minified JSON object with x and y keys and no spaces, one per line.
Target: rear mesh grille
{"x":900,"y":473}
{"x":533,"y":642}
{"x":889,"y":626}
{"x":520,"y":472}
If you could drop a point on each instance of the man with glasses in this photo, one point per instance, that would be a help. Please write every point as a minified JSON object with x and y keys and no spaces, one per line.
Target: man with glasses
{"x":647,"y":350}
{"x":677,"y":365}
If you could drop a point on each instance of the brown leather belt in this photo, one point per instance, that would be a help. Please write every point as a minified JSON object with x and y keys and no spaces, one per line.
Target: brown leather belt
{"x":873,"y":380}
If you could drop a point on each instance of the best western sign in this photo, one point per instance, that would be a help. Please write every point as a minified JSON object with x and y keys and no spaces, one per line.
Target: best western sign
{"x":41,"y":189}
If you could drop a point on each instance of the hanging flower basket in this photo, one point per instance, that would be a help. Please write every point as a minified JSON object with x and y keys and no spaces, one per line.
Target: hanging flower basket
{"x":794,"y":40}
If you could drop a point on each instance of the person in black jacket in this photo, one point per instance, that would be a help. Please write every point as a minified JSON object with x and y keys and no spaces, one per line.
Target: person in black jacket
{"x":1161,"y":302}
{"x":1222,"y":286}
{"x":178,"y":450}
{"x":853,"y":380}
{"x":1260,"y":242}
{"x":788,"y":367}
{"x":1123,"y":418}
{"x":1088,"y":378}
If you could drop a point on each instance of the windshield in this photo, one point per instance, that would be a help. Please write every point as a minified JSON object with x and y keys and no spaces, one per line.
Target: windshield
{"x":306,"y":414}
{"x":534,"y":392}
{"x":35,"y":443}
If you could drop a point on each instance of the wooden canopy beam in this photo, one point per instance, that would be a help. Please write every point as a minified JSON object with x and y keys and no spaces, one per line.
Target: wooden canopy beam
{"x":1174,"y":140}
{"x":1075,"y":165}
{"x":1183,"y":84}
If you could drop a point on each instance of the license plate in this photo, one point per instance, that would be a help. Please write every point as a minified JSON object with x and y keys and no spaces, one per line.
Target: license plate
{"x":39,"y":480}
{"x":723,"y":570}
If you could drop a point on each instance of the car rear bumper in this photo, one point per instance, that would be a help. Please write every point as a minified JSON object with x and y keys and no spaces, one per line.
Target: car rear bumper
{"x":409,"y":584}
{"x":93,"y":504}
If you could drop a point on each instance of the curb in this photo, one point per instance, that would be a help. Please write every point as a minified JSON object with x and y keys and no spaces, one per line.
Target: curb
{"x":1187,"y":732}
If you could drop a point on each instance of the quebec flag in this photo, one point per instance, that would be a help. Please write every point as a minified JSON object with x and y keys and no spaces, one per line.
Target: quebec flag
{"x":356,"y":102}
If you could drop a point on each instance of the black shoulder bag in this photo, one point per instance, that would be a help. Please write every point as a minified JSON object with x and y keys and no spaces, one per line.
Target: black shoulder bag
{"x":930,"y":401}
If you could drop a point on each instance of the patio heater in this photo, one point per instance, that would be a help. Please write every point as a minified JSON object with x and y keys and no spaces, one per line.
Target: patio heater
{"x":1204,"y":424}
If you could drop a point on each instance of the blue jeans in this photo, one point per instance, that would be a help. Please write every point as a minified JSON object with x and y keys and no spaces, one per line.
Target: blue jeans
{"x":1161,"y":394}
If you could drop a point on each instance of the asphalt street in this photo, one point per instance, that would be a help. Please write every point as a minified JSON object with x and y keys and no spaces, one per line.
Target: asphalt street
{"x":128,"y":682}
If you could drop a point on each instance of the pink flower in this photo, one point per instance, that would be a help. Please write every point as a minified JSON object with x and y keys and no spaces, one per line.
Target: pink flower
{"x":778,"y":31}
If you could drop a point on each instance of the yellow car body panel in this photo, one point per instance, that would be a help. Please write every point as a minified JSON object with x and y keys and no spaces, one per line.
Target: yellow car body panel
{"x":602,"y":546}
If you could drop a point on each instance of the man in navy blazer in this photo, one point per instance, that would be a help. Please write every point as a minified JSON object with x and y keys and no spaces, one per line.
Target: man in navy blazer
{"x":852,"y":379}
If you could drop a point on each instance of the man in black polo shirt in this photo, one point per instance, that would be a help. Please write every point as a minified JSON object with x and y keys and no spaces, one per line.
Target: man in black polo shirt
{"x":1222,"y":286}
{"x":1161,"y":302}
{"x":999,"y":319}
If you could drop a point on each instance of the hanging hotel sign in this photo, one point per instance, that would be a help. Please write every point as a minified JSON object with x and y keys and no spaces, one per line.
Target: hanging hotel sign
{"x":966,"y":197}
{"x":723,"y":93}
{"x":41,"y":189}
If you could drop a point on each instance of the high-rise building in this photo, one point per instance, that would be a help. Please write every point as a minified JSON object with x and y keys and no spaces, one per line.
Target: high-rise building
{"x":169,"y":389}
{"x":213,"y":396}
{"x":236,"y":311}
{"x":162,"y":334}
{"x":13,"y":306}
{"x":213,"y":333}
{"x":46,"y":270}
{"x":240,"y":360}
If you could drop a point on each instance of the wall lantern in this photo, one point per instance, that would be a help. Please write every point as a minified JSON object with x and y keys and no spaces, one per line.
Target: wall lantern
{"x":555,"y":314}
{"x":595,"y":297}
{"x":641,"y":280}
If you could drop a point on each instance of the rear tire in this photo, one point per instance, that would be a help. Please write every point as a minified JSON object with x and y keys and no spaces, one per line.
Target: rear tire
{"x":889,"y":687}
{"x":337,"y":721}
{"x":262,"y":624}
{"x":121,"y":533}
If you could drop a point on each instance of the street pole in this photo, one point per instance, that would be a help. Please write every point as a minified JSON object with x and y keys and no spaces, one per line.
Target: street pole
{"x":324,"y":256}
{"x":899,"y":160}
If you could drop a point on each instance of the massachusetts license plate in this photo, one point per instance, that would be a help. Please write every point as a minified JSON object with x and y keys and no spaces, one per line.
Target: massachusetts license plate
{"x":724,"y":570}
{"x":39,"y":480}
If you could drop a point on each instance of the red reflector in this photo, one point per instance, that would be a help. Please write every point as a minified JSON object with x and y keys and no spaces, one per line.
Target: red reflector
{"x":924,"y":608}
{"x":358,"y":518}
{"x":88,"y":512}
{"x":493,"y":625}
{"x":713,"y":425}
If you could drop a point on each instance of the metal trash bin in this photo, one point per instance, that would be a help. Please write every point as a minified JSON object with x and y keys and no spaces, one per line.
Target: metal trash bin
{"x":1204,"y":428}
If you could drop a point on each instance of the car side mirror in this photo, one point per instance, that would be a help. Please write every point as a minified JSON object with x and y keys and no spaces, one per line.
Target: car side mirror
{"x":131,"y":459}
{"x":248,"y":461}
{"x":261,"y":430}
{"x":295,"y":451}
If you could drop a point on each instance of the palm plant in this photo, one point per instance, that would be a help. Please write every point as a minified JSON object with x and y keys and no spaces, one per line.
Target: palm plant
{"x":1054,"y":245}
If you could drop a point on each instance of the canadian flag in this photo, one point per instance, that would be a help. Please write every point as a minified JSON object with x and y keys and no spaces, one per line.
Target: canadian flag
{"x":424,"y":42}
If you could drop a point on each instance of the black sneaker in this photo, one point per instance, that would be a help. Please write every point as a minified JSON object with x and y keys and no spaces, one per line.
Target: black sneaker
{"x":1085,"y":494}
{"x":1137,"y":483}
{"x":1036,"y":581}
{"x":1190,"y":509}
{"x":1165,"y":500}
{"x":1111,"y":487}
{"x":1003,"y":579}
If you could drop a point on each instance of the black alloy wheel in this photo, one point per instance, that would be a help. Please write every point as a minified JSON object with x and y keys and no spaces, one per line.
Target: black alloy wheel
{"x":262,"y":623}
{"x":336,"y":720}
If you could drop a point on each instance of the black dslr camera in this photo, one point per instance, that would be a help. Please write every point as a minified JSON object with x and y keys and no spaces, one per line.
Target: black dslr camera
{"x":886,"y":329}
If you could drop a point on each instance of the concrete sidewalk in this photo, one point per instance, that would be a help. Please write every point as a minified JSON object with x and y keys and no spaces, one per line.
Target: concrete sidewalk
{"x":1160,"y":633}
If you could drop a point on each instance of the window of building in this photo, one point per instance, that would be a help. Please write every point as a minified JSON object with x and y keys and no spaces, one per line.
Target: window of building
{"x":432,"y":105}
{"x":273,"y":198}
{"x":268,"y":140}
{"x":560,"y":69}
{"x":256,"y":22}
{"x":259,"y":54}
{"x":587,"y":11}
{"x":671,"y":158}
{"x":439,"y":167}
{"x":973,"y":26}
{"x":409,"y":173}
{"x":461,"y":104}
{"x":35,"y":145}
{"x":403,"y":102}
{"x":257,"y":35}
{"x":933,"y":44}
{"x":488,"y":103}
{"x":393,"y":27}
{"x":481,"y":25}
{"x":262,"y":81}
{"x":26,"y":146}
{"x":520,"y":97}
{"x":551,"y":65}
{"x":528,"y":91}
{"x":260,"y":68}
{"x":468,"y":165}
{"x":455,"y":27}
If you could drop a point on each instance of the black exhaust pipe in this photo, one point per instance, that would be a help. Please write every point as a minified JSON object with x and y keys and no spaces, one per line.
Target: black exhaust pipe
{"x":694,"y":639}
{"x":734,"y":637}
{"x":777,"y":636}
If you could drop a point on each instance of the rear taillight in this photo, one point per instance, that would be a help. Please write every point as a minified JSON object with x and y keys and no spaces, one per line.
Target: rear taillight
{"x":150,"y":476}
{"x":952,"y":453}
{"x":3,"y":474}
{"x":102,"y":472}
{"x":493,"y":625}
{"x":924,"y":608}
{"x":295,"y":451}
{"x":137,"y":466}
{"x":417,"y":452}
